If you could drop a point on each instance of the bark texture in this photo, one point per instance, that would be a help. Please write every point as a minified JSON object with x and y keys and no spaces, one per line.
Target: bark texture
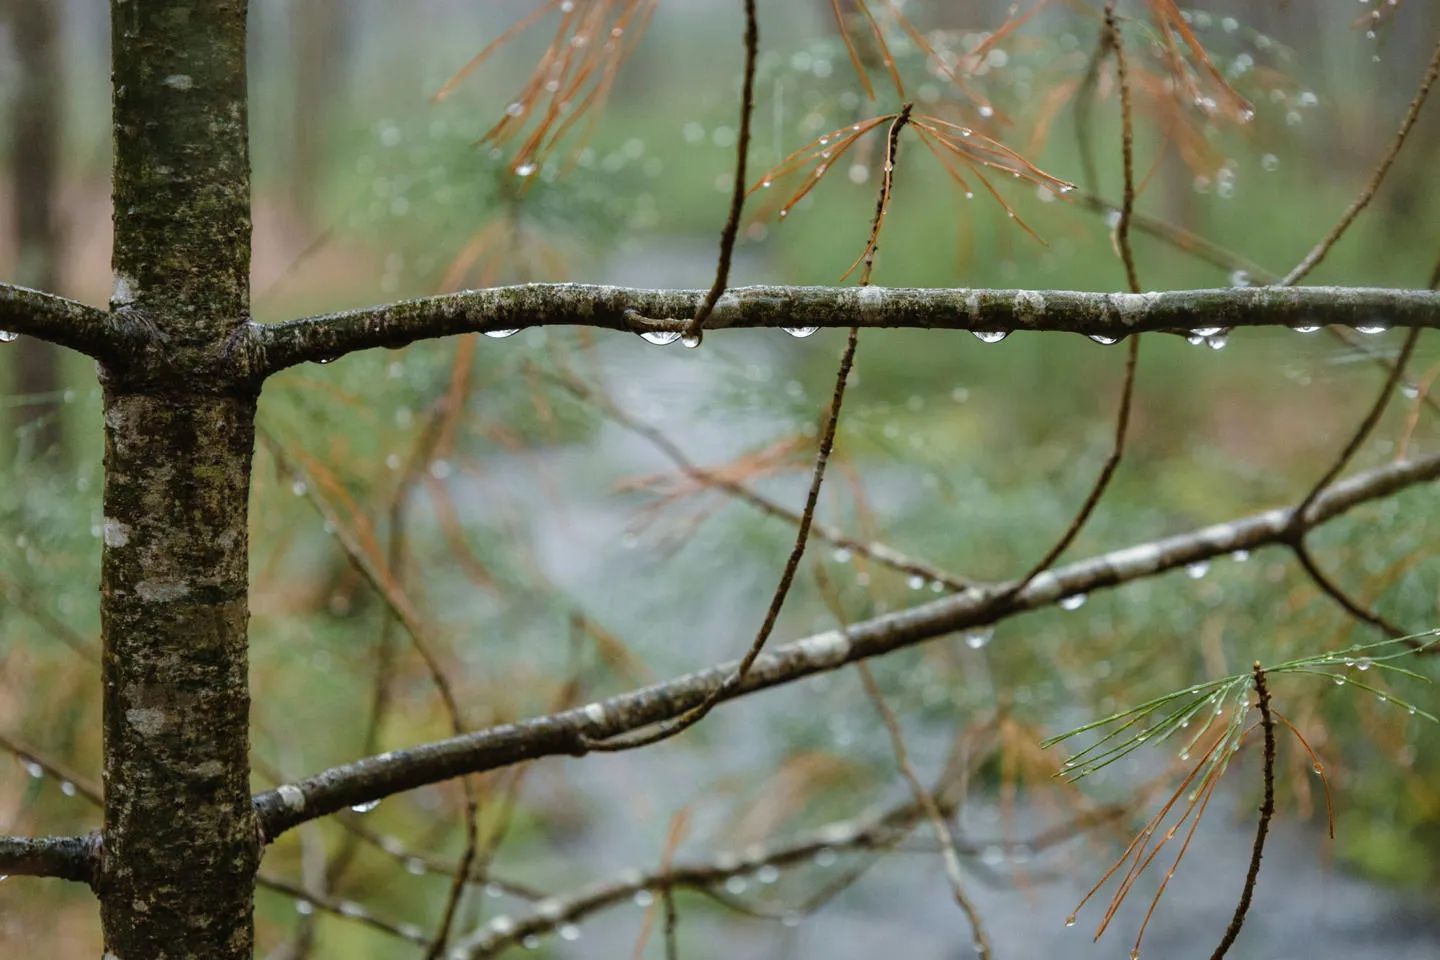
{"x":180,"y":848}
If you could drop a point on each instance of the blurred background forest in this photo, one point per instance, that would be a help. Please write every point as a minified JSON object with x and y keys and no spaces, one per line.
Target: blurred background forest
{"x":558,"y":554}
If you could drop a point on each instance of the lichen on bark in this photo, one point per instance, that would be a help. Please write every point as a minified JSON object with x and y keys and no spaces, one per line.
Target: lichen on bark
{"x":180,"y":847}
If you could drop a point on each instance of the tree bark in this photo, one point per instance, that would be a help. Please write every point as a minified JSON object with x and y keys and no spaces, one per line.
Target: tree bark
{"x":180,"y":847}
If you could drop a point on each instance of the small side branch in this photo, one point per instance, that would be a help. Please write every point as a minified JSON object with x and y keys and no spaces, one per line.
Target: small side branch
{"x":567,"y":732}
{"x":1313,"y":258}
{"x":64,"y":858}
{"x":1267,"y":811}
{"x":69,"y":323}
{"x":268,"y":349}
{"x":742,"y":154}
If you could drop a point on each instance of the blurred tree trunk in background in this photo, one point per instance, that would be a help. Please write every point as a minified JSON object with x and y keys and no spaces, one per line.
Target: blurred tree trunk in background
{"x":35,"y":130}
{"x":319,"y":40}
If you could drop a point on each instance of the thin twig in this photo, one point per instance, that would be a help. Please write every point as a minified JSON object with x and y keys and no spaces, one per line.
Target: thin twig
{"x":925,"y":800}
{"x":737,"y":196}
{"x":1127,"y":149}
{"x":782,"y":589}
{"x":1362,"y":433}
{"x":1313,"y":258}
{"x":871,"y":549}
{"x":1127,"y":389}
{"x":1352,"y":606}
{"x":1267,"y":810}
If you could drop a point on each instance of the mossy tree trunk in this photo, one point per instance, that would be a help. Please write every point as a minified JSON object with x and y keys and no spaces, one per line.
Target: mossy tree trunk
{"x":180,"y":847}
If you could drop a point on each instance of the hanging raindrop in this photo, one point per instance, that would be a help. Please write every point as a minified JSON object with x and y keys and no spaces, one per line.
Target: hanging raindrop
{"x":1198,"y":569}
{"x":7,"y":336}
{"x":1102,"y":339}
{"x":365,"y":807}
{"x":990,"y":336}
{"x":1073,"y":602}
{"x":500,"y":334}
{"x":800,"y":332}
{"x":661,"y":337}
{"x":977,"y":637}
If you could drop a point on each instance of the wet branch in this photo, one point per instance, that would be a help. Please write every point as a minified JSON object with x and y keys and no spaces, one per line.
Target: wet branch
{"x":568,"y":731}
{"x":267,"y":349}
{"x":63,"y":858}
{"x":69,"y":323}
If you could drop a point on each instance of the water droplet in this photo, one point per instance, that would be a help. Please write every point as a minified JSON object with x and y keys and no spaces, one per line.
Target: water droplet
{"x":1339,"y":681}
{"x":643,"y":898}
{"x":1317,"y":767}
{"x":67,"y":788}
{"x":1184,"y":754}
{"x":1371,"y":328}
{"x":1410,"y":710}
{"x":1305,"y":327}
{"x":825,"y":857}
{"x":1073,"y":602}
{"x":1363,"y":663}
{"x":915,"y":581}
{"x":661,"y":337}
{"x":304,"y":907}
{"x":530,"y":942}
{"x":990,"y":336}
{"x":841,"y":555}
{"x":1239,"y":278}
{"x":1240,"y":556}
{"x":690,"y":340}
{"x":525,"y":169}
{"x":790,"y":918}
{"x":34,"y":769}
{"x":737,"y":885}
{"x":800,"y":332}
{"x":1217,"y":343}
{"x":500,"y":334}
{"x":298,"y":488}
{"x":365,"y":807}
{"x":1070,"y":920}
{"x":324,"y":360}
{"x":569,"y":931}
{"x":1102,"y":339}
{"x":1269,"y":162}
{"x":768,"y":874}
{"x":1194,"y":341}
{"x":977,"y":637}
{"x":1197,"y":569}
{"x":415,"y":866}
{"x":8,"y":336}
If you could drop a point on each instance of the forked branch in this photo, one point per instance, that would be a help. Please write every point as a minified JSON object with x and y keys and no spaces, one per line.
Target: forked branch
{"x":568,"y":731}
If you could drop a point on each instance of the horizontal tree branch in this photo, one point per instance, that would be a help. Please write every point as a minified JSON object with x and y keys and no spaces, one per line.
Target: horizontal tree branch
{"x":265,"y":349}
{"x":562,"y":733}
{"x":45,"y":316}
{"x":65,"y":858}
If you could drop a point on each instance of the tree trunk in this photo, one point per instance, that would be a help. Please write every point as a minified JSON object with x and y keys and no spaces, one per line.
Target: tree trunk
{"x":35,"y":165}
{"x":180,"y":847}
